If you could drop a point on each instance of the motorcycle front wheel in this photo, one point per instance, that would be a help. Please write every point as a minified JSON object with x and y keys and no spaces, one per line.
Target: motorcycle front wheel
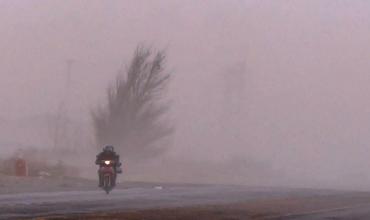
{"x":107,"y":184}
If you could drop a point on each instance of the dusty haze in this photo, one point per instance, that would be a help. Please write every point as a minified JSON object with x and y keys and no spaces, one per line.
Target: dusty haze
{"x":277,"y":91}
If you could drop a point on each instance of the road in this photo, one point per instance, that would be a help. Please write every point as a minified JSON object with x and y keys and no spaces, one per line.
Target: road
{"x":325,"y":202}
{"x":354,"y":212}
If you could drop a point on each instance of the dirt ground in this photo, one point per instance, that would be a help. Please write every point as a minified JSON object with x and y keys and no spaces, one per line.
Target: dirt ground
{"x":13,"y":184}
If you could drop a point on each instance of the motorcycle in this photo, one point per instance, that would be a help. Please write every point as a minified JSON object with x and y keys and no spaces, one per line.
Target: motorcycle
{"x":107,"y":172}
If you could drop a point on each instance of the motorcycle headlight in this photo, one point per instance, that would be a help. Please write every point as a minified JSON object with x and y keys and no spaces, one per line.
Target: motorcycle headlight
{"x":107,"y":162}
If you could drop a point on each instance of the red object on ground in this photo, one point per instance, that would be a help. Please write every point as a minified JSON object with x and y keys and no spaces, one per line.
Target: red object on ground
{"x":20,"y":167}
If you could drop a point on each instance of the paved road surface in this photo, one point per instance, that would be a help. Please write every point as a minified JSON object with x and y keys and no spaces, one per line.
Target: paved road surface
{"x":28,"y":205}
{"x":353,"y":212}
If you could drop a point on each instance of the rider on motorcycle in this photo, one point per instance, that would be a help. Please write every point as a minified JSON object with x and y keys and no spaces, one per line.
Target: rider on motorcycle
{"x":108,"y":153}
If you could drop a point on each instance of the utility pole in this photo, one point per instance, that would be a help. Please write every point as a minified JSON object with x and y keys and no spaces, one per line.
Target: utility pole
{"x":69,"y":63}
{"x":61,"y":118}
{"x":234,"y":85}
{"x":233,"y":115}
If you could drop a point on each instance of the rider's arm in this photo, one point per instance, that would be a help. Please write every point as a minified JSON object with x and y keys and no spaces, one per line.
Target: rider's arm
{"x":97,"y":161}
{"x":118,"y":160}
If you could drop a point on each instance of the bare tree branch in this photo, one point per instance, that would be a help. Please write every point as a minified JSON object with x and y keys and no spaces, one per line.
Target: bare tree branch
{"x":132,"y":118}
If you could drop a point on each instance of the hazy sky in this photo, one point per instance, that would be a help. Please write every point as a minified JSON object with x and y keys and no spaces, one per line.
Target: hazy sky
{"x":305,"y":65}
{"x":39,"y":36}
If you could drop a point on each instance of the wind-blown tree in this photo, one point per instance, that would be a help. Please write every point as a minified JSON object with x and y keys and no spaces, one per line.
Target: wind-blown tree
{"x":132,"y":119}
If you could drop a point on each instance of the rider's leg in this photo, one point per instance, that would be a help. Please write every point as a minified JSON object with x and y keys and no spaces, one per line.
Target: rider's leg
{"x":100,"y":179}
{"x":114,"y":177}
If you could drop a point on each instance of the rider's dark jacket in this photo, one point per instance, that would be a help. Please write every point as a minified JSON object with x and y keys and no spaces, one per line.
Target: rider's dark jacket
{"x":107,"y":155}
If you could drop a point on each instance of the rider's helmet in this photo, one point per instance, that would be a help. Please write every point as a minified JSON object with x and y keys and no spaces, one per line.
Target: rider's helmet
{"x":108,"y":148}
